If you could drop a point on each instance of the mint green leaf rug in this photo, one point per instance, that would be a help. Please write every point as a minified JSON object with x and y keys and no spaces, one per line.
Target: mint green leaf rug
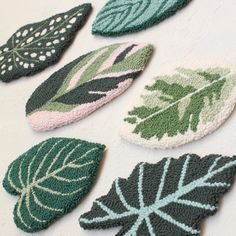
{"x":181,"y":106}
{"x":36,"y":46}
{"x":169,"y":198}
{"x":51,"y":179}
{"x":119,"y":17}
{"x":86,"y":84}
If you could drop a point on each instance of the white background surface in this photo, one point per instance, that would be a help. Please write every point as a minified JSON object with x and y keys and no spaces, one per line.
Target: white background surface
{"x":205,"y":30}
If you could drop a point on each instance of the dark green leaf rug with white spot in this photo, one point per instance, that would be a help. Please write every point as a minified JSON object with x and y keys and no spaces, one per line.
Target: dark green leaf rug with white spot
{"x":119,"y":17}
{"x":51,"y":179}
{"x":181,"y":105}
{"x":86,"y":84}
{"x":169,"y":198}
{"x":36,"y":46}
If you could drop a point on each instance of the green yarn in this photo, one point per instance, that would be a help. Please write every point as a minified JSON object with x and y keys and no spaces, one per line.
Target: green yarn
{"x":181,"y":107}
{"x":86,"y":84}
{"x":51,"y":179}
{"x":169,"y":198}
{"x":119,"y":17}
{"x":36,"y":46}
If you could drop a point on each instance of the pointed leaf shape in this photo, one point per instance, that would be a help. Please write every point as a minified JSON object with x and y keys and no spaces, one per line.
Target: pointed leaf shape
{"x":36,"y":46}
{"x":86,"y":84}
{"x":171,"y":197}
{"x":51,"y":179}
{"x":181,"y":107}
{"x":119,"y":17}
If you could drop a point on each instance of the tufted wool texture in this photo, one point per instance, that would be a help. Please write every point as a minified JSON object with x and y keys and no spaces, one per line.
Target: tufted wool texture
{"x":36,"y":46}
{"x":119,"y":17}
{"x":169,"y":198}
{"x":181,"y":106}
{"x":51,"y":179}
{"x":86,"y":84}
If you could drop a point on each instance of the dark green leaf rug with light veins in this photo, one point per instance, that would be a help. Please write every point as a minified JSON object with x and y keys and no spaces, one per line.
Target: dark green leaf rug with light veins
{"x":51,"y":179}
{"x":36,"y":46}
{"x":169,"y":198}
{"x":119,"y":17}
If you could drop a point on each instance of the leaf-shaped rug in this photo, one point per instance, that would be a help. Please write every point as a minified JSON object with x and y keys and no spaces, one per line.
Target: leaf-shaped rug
{"x":36,"y":46}
{"x":182,"y":106}
{"x":169,"y":198}
{"x":86,"y":84}
{"x":119,"y":17}
{"x":51,"y":179}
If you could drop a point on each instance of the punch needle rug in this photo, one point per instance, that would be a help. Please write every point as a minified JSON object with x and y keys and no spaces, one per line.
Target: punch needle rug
{"x":86,"y":84}
{"x":51,"y":179}
{"x":119,"y":17}
{"x":181,"y":106}
{"x":170,"y":198}
{"x":36,"y":46}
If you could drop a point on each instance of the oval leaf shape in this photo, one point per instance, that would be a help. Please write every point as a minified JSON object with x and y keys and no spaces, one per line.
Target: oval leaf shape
{"x":171,"y":197}
{"x":51,"y":179}
{"x":180,"y":107}
{"x":36,"y":46}
{"x":119,"y":17}
{"x":86,"y":84}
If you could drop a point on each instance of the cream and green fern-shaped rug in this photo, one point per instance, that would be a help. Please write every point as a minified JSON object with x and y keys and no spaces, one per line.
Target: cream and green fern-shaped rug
{"x":181,"y":105}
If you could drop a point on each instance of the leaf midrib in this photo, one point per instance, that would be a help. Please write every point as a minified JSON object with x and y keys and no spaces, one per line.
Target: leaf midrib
{"x":180,"y":100}
{"x":169,"y":198}
{"x":28,"y":187}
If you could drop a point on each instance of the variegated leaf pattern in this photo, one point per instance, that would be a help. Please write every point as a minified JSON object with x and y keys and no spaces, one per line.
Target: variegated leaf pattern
{"x":86,"y":84}
{"x":171,"y":197}
{"x":36,"y":46}
{"x":182,"y":107}
{"x":119,"y":17}
{"x":51,"y":179}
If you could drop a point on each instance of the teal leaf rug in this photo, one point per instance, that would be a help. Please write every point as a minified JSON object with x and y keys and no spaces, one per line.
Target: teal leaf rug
{"x":170,"y":198}
{"x":51,"y":179}
{"x":119,"y":17}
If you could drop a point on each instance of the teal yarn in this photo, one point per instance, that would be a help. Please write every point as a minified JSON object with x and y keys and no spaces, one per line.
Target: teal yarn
{"x":51,"y":178}
{"x":120,"y":17}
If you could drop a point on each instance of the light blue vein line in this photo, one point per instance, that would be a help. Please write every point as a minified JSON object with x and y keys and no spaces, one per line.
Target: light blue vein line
{"x":219,"y":184}
{"x":121,"y":197}
{"x":214,"y":164}
{"x":226,"y":166}
{"x":171,"y":220}
{"x":195,"y":204}
{"x":183,"y":172}
{"x":162,"y":182}
{"x":134,"y":228}
{"x":140,"y":185}
{"x":105,"y":208}
{"x":149,"y":225}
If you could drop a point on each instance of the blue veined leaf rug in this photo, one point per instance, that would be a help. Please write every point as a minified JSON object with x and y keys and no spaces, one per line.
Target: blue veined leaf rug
{"x":119,"y":17}
{"x":170,"y":198}
{"x":51,"y":179}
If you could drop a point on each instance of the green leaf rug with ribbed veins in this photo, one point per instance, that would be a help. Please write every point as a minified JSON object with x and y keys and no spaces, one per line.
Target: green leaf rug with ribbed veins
{"x":86,"y":84}
{"x":51,"y":179}
{"x":170,"y":198}
{"x":181,"y":105}
{"x":119,"y":17}
{"x":36,"y":46}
